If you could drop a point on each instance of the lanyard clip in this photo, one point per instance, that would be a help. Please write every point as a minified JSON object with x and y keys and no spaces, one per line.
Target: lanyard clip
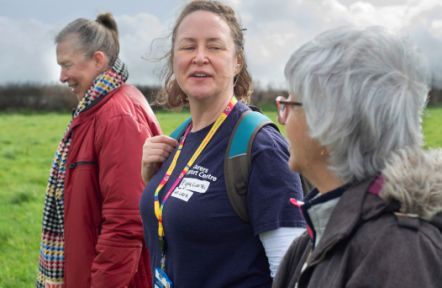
{"x":163,"y":247}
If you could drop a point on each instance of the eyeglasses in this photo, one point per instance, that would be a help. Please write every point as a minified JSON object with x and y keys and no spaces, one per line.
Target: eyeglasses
{"x":281,"y":105}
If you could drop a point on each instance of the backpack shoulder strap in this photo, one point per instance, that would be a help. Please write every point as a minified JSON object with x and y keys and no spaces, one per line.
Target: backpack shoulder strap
{"x":238,"y":159}
{"x":176,"y":134}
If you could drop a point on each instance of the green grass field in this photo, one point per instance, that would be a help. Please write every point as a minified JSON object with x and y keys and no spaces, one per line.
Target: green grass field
{"x":27,"y":144}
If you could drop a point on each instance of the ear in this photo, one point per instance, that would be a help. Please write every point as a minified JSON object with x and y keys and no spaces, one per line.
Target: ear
{"x":237,"y":68}
{"x":101,"y":60}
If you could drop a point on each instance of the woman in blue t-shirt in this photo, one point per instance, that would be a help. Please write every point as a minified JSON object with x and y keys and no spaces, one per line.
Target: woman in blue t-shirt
{"x":194,"y":236}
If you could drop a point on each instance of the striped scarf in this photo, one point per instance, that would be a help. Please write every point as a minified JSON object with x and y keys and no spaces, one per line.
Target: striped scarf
{"x":51,"y":265}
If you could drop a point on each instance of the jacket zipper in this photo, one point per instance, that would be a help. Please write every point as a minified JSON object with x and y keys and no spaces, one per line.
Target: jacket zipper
{"x":74,"y":165}
{"x":316,"y":261}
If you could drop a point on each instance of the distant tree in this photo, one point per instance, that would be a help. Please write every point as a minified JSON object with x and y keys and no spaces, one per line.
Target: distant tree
{"x":149,"y":92}
{"x":37,"y":97}
{"x":435,"y":97}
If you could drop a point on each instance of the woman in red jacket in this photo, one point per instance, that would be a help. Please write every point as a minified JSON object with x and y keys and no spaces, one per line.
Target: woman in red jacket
{"x":92,"y":233}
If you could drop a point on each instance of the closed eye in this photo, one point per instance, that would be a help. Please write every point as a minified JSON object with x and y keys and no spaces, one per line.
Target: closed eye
{"x":187,"y":48}
{"x":66,"y":65}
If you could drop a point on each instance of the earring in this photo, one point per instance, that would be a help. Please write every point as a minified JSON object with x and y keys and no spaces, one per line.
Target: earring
{"x":323,"y":152}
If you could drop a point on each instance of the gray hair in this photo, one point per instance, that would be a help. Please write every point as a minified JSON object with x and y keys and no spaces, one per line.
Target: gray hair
{"x":98,"y":35}
{"x":363,"y":93}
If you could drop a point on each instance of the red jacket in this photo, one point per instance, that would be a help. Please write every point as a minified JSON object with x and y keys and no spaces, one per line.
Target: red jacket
{"x":104,"y":245}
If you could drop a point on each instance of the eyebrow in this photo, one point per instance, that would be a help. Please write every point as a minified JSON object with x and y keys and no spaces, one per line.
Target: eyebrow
{"x":63,"y":62}
{"x":190,"y":39}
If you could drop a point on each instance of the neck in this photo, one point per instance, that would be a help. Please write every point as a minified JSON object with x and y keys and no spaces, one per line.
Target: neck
{"x":322,"y":178}
{"x":205,"y":113}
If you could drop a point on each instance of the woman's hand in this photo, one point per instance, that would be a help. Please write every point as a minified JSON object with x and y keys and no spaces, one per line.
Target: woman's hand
{"x":155,"y":150}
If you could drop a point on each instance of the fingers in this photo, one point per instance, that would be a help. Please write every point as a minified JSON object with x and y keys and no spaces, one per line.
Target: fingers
{"x":155,"y":151}
{"x":148,"y":170}
{"x":158,"y":148}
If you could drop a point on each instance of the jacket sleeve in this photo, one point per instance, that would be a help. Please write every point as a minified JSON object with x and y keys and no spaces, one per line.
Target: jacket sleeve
{"x":119,"y":142}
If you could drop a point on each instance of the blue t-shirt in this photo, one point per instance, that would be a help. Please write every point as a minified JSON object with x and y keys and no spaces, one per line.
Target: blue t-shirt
{"x":208,"y":245}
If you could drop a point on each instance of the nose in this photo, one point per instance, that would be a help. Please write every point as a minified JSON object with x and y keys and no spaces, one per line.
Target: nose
{"x":200,"y":57}
{"x":63,"y":76}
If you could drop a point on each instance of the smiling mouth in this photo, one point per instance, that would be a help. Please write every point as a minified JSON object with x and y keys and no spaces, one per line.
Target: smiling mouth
{"x":200,"y":75}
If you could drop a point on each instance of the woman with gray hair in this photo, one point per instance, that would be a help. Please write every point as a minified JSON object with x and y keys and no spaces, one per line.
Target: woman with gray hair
{"x":92,"y":233}
{"x":353,"y":119}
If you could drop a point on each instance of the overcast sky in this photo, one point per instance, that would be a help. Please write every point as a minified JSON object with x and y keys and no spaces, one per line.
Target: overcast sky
{"x":275,"y":28}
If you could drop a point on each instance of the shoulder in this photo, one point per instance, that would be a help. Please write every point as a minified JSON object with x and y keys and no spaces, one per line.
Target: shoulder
{"x":299,"y":248}
{"x":391,"y":236}
{"x":377,"y":245}
{"x":271,"y":134}
{"x":268,"y":136}
{"x":125,"y":102}
{"x":390,"y":228}
{"x":269,"y":139}
{"x":128,"y":89}
{"x":127,"y":94}
{"x":238,"y":111}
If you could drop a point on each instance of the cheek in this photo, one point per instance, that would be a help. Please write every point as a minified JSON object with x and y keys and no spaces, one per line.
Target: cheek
{"x":292,"y":163}
{"x":290,"y":127}
{"x":86,"y":78}
{"x":92,"y":75}
{"x":294,"y":141}
{"x":297,"y":130}
{"x":178,"y":73}
{"x":232,"y":66}
{"x":177,"y":65}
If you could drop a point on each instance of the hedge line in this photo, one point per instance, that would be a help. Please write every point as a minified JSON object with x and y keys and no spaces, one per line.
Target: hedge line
{"x":33,"y":97}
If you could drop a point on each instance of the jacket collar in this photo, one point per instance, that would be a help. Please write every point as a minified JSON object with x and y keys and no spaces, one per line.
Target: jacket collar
{"x":346,"y":216}
{"x":413,"y":178}
{"x":95,"y":107}
{"x":409,"y":185}
{"x":86,"y":114}
{"x":317,"y":209}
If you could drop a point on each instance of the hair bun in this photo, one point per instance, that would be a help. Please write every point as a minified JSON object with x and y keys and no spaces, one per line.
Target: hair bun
{"x":108,"y":21}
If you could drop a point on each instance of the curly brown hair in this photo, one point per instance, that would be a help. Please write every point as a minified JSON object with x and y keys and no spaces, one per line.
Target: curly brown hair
{"x":171,"y":94}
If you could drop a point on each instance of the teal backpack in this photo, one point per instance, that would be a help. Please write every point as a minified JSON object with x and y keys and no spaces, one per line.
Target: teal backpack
{"x":237,"y":160}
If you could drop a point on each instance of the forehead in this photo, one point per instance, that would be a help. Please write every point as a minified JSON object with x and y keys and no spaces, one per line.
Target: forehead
{"x":68,"y":48}
{"x":204,"y":24}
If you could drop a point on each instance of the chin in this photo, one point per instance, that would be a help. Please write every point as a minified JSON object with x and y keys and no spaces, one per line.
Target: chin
{"x":199,"y":91}
{"x":199,"y":95}
{"x":293,"y":165}
{"x":79,"y":95}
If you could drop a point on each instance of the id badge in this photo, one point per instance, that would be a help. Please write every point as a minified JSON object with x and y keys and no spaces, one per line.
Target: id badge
{"x":161,"y":279}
